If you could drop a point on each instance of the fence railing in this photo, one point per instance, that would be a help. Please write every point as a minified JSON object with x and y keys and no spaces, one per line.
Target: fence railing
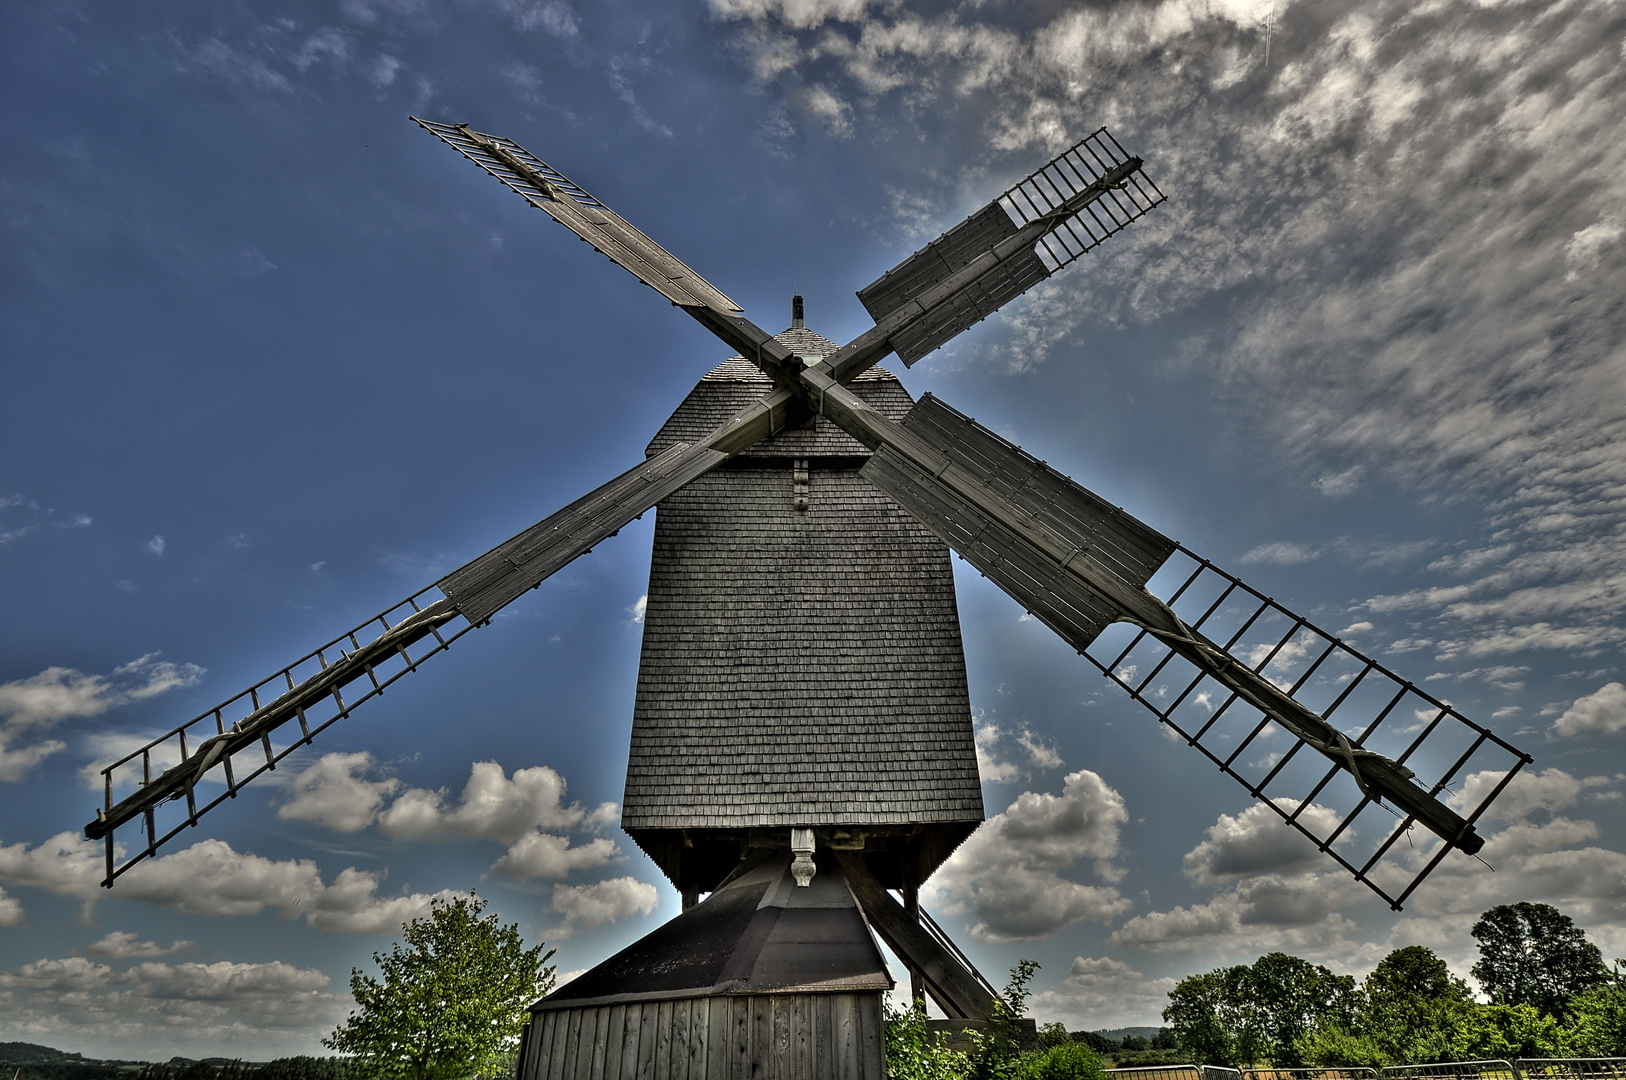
{"x":1493,"y":1069}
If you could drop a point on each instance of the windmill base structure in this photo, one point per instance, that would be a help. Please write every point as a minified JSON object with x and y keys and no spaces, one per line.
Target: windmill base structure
{"x":802,"y":742}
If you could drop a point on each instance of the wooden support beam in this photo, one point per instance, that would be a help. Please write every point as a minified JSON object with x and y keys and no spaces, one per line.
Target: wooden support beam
{"x":946,"y":979}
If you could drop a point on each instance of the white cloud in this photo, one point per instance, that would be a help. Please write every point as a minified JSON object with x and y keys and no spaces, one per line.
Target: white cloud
{"x":544,"y":855}
{"x":156,"y":545}
{"x":492,"y":806}
{"x":330,"y":793}
{"x":123,"y":945}
{"x":1602,"y":712}
{"x":11,"y":911}
{"x":1297,"y":914}
{"x":639,"y":606}
{"x":553,"y":17}
{"x":156,"y":1008}
{"x":1008,"y":872}
{"x":1280,"y":554}
{"x":1551,"y":790}
{"x":1257,"y":841}
{"x":210,"y":878}
{"x":587,"y":907}
{"x":986,"y":736}
{"x":336,"y":792}
{"x":59,"y":693}
{"x":21,"y":516}
{"x":1103,"y":992}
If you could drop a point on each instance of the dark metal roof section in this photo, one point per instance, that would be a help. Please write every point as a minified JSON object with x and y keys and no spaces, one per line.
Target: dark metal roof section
{"x":758,"y":933}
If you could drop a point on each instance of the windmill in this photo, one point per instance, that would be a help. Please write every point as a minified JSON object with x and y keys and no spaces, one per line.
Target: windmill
{"x":802,"y":740}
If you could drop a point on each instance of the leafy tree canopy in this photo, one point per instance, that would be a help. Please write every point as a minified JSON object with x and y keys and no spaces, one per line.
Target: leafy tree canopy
{"x":1243,"y":1015}
{"x":452,"y":1003}
{"x":1533,"y":954}
{"x":1410,"y":1004}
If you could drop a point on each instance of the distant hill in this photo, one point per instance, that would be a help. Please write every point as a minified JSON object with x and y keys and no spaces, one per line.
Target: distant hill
{"x":34,"y":1062}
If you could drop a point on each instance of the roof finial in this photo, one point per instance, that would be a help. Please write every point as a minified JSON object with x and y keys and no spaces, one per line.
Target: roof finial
{"x":796,"y":312}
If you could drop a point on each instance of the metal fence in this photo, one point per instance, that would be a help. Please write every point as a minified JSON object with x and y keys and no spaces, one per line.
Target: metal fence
{"x":1494,"y":1069}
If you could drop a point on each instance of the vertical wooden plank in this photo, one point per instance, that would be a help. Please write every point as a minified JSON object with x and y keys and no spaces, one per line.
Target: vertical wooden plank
{"x":595,"y":1042}
{"x":845,"y":1052}
{"x":679,"y":1067}
{"x":869,"y":1008}
{"x":574,"y":1064}
{"x":823,"y":1038}
{"x":559,"y":1028}
{"x":779,"y":1057}
{"x":631,"y":1035}
{"x":720,"y":1046}
{"x":699,"y":1038}
{"x":761,"y":1036}
{"x":662,"y":1069}
{"x":613,"y":1045}
{"x":536,"y":1056}
{"x":649,"y":1030}
{"x":801,"y":1042}
{"x":740,"y":1038}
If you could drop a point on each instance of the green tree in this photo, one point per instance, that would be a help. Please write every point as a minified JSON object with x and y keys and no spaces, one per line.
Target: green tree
{"x":1064,"y":1061}
{"x":1410,"y":1005}
{"x":1597,"y":1026}
{"x":998,"y":1052}
{"x":1290,"y":998}
{"x":452,"y":1003}
{"x":1208,"y":1016}
{"x":1504,"y":1032}
{"x":1533,"y":954}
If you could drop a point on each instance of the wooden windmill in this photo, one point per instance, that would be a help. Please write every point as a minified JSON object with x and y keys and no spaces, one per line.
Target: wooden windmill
{"x":802,"y":741}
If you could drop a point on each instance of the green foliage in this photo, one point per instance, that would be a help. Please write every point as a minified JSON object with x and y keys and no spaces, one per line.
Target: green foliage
{"x":1245,"y":1015}
{"x":1597,"y":1026}
{"x":1054,"y":1034}
{"x":915,"y":1053}
{"x":1533,"y":954}
{"x":1410,"y":1005}
{"x":998,"y":1054}
{"x":449,"y":1006}
{"x":1506,"y":1031}
{"x":1063,"y":1061}
{"x":1331,"y":1046}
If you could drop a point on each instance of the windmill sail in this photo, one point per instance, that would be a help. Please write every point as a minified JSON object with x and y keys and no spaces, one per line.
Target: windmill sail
{"x":1080,"y":565}
{"x":206,"y":749}
{"x":1055,"y":215}
{"x":551,"y":191}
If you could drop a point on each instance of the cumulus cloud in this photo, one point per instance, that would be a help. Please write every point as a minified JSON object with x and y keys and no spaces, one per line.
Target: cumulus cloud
{"x":1357,"y":219}
{"x":1008,"y":874}
{"x":41,"y":701}
{"x":146,"y":1008}
{"x":996,"y":745}
{"x":1297,"y":914}
{"x":11,"y":910}
{"x":588,"y":907}
{"x":331,"y":793}
{"x":1600,"y":713}
{"x":210,"y":878}
{"x":1101,"y":991}
{"x":527,"y":812}
{"x":123,"y":945}
{"x":1257,"y":841}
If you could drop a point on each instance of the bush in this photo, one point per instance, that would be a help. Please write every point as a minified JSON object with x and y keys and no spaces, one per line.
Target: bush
{"x":1064,"y":1061}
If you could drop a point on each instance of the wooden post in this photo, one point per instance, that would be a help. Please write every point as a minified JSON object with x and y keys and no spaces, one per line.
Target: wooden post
{"x":911,"y":907}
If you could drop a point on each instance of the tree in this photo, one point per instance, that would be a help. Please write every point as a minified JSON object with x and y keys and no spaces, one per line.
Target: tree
{"x":1597,"y":1026}
{"x":1410,"y":1004}
{"x":452,"y":1003}
{"x":1244,"y":1015}
{"x":1533,"y":954}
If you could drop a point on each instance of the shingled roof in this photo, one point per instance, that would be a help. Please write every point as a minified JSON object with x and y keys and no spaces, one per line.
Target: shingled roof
{"x":799,"y":667}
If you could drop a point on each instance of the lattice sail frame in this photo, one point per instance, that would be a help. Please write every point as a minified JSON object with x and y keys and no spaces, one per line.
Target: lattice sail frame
{"x":1093,"y":157}
{"x":1374,"y":707}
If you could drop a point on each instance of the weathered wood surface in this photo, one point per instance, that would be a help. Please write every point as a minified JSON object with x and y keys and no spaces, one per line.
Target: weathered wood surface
{"x":759,"y":1037}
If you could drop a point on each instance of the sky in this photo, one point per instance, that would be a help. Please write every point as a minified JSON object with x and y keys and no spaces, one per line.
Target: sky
{"x":272,"y":358}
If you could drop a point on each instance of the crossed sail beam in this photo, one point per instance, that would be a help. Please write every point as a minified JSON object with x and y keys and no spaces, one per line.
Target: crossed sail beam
{"x":1076,"y":562}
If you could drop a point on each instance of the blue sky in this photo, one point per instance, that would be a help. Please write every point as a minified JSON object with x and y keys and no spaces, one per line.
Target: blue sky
{"x":273,"y":359}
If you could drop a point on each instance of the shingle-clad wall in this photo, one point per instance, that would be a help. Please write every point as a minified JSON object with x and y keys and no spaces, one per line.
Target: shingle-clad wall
{"x":798,"y":667}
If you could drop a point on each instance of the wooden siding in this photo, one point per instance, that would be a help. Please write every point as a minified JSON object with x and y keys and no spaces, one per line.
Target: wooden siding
{"x":761,"y":1037}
